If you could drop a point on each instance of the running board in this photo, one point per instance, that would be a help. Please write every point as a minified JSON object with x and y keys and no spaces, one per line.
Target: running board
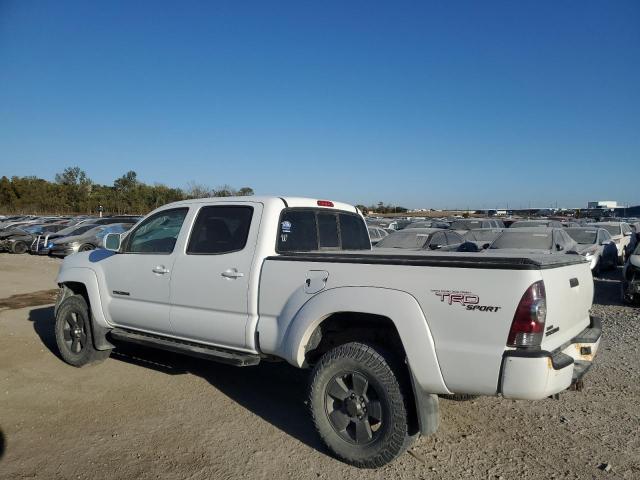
{"x":230,"y":357}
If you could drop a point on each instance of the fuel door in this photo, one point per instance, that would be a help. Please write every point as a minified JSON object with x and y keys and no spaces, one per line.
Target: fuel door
{"x":316,"y":281}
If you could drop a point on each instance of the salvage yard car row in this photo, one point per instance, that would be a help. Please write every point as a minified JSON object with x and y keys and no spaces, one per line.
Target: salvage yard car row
{"x":58,"y":236}
{"x":605,"y":245}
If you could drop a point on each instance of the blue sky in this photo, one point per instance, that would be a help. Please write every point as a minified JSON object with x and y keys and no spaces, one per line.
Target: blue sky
{"x":434,"y":104}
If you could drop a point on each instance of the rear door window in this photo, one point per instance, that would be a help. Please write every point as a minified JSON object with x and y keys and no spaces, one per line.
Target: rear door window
{"x":220,"y":229}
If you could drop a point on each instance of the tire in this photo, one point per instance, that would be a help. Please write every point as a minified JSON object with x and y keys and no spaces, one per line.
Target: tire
{"x":19,"y":248}
{"x":360,"y":402}
{"x":460,"y":397}
{"x":73,"y":333}
{"x":86,"y":248}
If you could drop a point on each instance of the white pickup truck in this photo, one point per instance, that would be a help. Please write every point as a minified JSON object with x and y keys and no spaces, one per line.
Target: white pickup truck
{"x":239,"y":280}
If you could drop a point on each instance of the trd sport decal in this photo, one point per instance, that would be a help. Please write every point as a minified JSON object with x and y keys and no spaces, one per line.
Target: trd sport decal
{"x":467,"y":300}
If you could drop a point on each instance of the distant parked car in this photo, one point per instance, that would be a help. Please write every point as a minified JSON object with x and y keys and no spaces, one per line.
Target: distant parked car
{"x":422,"y":238}
{"x":89,"y":240}
{"x":631,"y":278}
{"x":376,"y":234}
{"x":41,"y":245}
{"x":21,"y":238}
{"x":623,"y":237}
{"x":535,"y":240}
{"x":465,"y":224}
{"x":536,"y":223}
{"x":596,"y":245}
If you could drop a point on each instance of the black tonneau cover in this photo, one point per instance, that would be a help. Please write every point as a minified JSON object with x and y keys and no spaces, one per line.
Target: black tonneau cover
{"x":484,"y":260}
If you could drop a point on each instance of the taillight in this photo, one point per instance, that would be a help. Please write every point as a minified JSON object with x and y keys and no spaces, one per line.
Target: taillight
{"x":325,"y":203}
{"x":527,"y":328}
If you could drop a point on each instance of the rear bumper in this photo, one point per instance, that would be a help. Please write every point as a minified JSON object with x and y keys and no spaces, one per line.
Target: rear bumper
{"x":536,"y":374}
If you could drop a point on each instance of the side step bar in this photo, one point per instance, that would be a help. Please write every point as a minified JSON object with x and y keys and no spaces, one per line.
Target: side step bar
{"x":230,"y":357}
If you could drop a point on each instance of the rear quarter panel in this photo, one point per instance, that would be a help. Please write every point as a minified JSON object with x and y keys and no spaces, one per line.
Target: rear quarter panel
{"x":468,"y":342}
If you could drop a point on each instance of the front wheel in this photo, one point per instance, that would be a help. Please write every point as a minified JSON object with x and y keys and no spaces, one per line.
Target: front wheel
{"x":360,"y":404}
{"x":86,"y":248}
{"x":73,"y":333}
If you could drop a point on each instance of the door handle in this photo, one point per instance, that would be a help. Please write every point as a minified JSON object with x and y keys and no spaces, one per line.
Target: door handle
{"x":232,"y":273}
{"x":160,"y":269}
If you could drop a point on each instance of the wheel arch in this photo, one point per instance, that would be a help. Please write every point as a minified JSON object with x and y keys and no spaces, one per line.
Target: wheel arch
{"x":337,"y":310}
{"x":83,"y":281}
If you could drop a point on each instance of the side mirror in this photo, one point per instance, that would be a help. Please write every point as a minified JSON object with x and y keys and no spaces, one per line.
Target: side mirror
{"x":112,"y":242}
{"x":559,"y":247}
{"x":485,"y":246}
{"x":605,"y":242}
{"x":435,"y":247}
{"x":627,"y":234}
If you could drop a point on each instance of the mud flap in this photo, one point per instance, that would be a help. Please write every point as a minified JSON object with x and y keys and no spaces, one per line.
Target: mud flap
{"x":427,"y":409}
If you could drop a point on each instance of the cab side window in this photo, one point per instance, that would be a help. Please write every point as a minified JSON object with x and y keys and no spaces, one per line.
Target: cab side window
{"x":220,"y":229}
{"x":158,"y":233}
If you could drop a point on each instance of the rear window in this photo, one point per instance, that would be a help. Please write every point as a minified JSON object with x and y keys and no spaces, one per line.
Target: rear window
{"x":353,"y":232}
{"x":305,"y":230}
{"x":328,"y":230}
{"x":410,"y":239}
{"x":530,"y":223}
{"x":612,"y":229}
{"x":481,"y":235}
{"x":526,"y":240}
{"x":466,"y":224}
{"x":583,"y":235}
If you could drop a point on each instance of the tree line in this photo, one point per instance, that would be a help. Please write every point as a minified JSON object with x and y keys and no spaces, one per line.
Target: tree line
{"x":382,"y":208}
{"x":73,"y":192}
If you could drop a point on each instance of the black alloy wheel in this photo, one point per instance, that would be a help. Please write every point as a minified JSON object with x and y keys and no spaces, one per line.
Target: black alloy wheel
{"x":74,"y":334}
{"x":353,"y":407}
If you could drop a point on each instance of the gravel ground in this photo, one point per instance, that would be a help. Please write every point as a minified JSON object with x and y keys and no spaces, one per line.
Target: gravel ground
{"x":147,"y":414}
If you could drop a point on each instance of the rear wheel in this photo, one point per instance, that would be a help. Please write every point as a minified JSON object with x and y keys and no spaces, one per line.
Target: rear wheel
{"x":73,"y":333}
{"x":360,"y":404}
{"x":19,"y":247}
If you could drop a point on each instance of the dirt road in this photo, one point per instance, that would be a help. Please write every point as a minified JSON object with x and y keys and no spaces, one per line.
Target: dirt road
{"x":147,"y":414}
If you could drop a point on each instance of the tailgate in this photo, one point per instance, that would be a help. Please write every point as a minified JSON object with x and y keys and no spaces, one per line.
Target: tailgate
{"x":569,"y":290}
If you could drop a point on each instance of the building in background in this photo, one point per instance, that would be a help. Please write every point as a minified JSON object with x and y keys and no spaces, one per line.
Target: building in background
{"x":603,"y":204}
